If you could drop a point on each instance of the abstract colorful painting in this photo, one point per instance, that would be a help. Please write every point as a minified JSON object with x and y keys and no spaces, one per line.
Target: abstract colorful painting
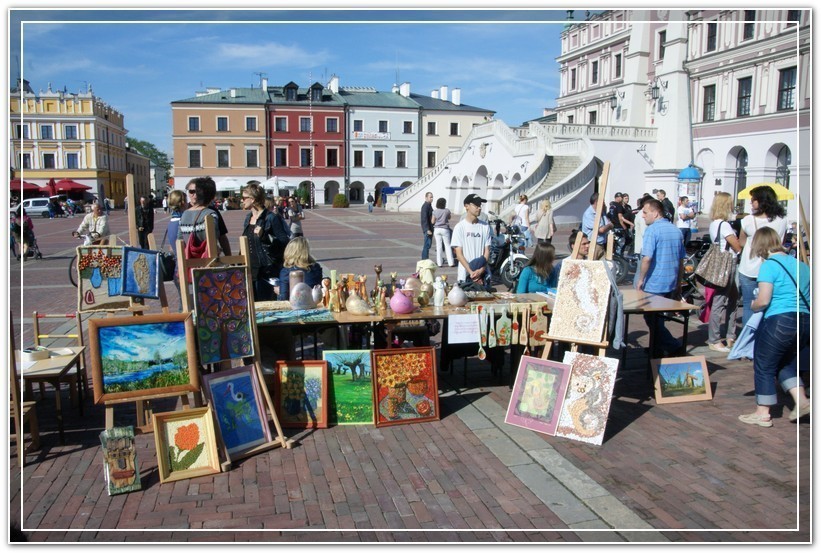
{"x":186,"y":445}
{"x":301,"y":394}
{"x":141,"y":357}
{"x":235,"y":397}
{"x":223,"y":317}
{"x":350,"y":386}
{"x":406,"y":389}
{"x":99,"y":279}
{"x":587,"y":403}
{"x":122,"y":474}
{"x":538,"y":394}
{"x":141,"y":273}
{"x":580,"y":310}
{"x":680,"y":379}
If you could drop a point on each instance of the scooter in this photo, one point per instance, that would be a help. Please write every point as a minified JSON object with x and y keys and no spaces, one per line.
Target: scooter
{"x":691,"y":289}
{"x":624,"y":263}
{"x":507,"y":258}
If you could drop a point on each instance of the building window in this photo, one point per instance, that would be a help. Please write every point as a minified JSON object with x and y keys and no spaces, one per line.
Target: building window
{"x":331,"y":124}
{"x":332,"y":157}
{"x":782,"y":169}
{"x":379,"y":158}
{"x":383,"y":126}
{"x":193,"y":124}
{"x":22,"y":131}
{"x":786,"y":89}
{"x":407,"y":127}
{"x":357,"y":125}
{"x":48,"y":161}
{"x":223,"y":158}
{"x":194,"y":158}
{"x":222,"y":124}
{"x":740,"y":174}
{"x":281,"y":157}
{"x":25,"y":161}
{"x":617,"y":62}
{"x":794,"y":15}
{"x":712,"y":33}
{"x":573,"y":79}
{"x":251,"y":158}
{"x":745,"y":92}
{"x":251,"y":124}
{"x":749,"y":24}
{"x":316,"y":94}
{"x":358,"y":157}
{"x":570,"y":119}
{"x":662,"y":40}
{"x":431,"y":128}
{"x":402,"y":159}
{"x":46,"y":132}
{"x":290,"y":94}
{"x":431,"y":159}
{"x":594,"y":72}
{"x":592,"y":117}
{"x":454,"y":129}
{"x":305,"y":157}
{"x":70,"y":132}
{"x":709,"y":112}
{"x":280,"y":124}
{"x":305,"y":124}
{"x":72,"y":161}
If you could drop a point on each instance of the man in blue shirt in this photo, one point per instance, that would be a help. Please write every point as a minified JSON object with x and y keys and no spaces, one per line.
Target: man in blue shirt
{"x":605,"y":226}
{"x":661,"y":269}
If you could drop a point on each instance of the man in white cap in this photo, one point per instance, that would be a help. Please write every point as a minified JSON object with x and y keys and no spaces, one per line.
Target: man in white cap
{"x":471,"y":242}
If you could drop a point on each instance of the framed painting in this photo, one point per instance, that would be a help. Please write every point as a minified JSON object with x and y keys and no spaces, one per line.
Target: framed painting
{"x":681,"y":379}
{"x":236,"y":400}
{"x":350,"y":386}
{"x":122,"y":473}
{"x":538,"y":394}
{"x":223,"y":317}
{"x":186,"y":445}
{"x":580,"y":309}
{"x":405,"y":389}
{"x":301,"y":394}
{"x":141,"y":273}
{"x":587,"y":403}
{"x":99,"y":279}
{"x":142,"y":357}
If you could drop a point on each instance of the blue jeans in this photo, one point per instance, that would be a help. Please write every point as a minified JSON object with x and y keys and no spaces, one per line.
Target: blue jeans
{"x":781,"y":341}
{"x":662,"y":339}
{"x":426,"y":246}
{"x":685,"y":234}
{"x":747,"y":286}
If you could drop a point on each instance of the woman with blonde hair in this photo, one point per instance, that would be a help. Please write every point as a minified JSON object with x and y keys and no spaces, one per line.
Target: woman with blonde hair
{"x":725,"y":300}
{"x":298,"y":258}
{"x":545,"y":227}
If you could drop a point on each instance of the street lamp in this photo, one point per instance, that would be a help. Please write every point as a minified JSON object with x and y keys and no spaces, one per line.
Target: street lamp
{"x":616,"y":99}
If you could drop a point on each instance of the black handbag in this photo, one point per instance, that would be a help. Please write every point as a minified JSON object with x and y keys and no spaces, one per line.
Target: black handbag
{"x":168,"y":261}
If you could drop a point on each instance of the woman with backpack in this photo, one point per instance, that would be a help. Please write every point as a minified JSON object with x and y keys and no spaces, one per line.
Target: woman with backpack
{"x":267,"y":237}
{"x":201,"y":192}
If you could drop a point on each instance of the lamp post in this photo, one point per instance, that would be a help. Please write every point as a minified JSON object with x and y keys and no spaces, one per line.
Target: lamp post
{"x":689,"y":184}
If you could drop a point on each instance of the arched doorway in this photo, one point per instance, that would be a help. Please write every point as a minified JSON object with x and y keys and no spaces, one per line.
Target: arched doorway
{"x":355,"y":193}
{"x":377,"y":193}
{"x":305,"y":192}
{"x":331,"y":190}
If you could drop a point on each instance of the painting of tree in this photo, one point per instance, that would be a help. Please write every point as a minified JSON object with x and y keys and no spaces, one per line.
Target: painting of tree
{"x":222,"y":317}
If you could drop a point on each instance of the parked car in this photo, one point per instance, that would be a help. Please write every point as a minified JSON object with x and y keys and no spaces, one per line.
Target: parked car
{"x":34,"y":207}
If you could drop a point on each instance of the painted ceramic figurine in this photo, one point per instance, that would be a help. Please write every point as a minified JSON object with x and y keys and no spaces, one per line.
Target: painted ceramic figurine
{"x":438,"y":292}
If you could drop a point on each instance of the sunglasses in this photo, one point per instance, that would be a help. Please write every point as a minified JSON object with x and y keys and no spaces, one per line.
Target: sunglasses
{"x":192,"y":190}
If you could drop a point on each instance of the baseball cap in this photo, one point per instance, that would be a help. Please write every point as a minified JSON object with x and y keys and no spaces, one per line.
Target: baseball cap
{"x":474,"y":199}
{"x":618,"y":195}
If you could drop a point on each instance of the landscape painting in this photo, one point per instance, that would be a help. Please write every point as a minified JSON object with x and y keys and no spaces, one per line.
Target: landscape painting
{"x":587,"y":403}
{"x":681,"y":379}
{"x":99,"y":279}
{"x":141,"y":273}
{"x":142,"y":357}
{"x":301,"y":394}
{"x":223,"y":314}
{"x":406,"y":389}
{"x":538,"y":394}
{"x":350,"y":387}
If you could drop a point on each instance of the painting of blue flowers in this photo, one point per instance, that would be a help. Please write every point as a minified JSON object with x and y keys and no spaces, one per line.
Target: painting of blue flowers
{"x":234,"y":395}
{"x":301,"y":394}
{"x":142,"y":357}
{"x":141,"y":273}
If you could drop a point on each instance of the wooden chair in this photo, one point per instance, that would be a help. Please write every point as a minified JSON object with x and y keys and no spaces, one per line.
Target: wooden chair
{"x":73,"y":339}
{"x":21,"y":411}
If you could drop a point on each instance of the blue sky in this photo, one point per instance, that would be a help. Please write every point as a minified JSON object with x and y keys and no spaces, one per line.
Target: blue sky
{"x":141,"y":60}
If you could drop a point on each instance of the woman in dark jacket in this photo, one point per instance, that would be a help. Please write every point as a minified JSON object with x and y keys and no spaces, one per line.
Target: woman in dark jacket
{"x":298,"y":258}
{"x":267,"y":237}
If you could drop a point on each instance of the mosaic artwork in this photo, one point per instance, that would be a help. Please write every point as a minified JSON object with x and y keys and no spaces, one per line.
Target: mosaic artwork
{"x":223,"y":318}
{"x":120,"y":468}
{"x":350,"y":386}
{"x":587,"y":403}
{"x":141,"y":273}
{"x":538,"y":394}
{"x":681,"y":379}
{"x":99,"y":279}
{"x":406,"y":388}
{"x":580,"y":310}
{"x":301,"y":394}
{"x":186,"y":444}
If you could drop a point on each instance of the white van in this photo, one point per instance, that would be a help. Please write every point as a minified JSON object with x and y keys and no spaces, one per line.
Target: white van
{"x":34,"y":207}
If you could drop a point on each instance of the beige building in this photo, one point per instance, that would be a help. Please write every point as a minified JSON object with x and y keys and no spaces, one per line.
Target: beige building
{"x":139,"y":166}
{"x":60,"y":134}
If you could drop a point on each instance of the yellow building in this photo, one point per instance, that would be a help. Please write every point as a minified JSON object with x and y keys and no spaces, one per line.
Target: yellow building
{"x":61,"y":134}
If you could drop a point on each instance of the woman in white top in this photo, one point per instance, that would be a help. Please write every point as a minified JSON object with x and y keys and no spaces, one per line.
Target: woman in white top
{"x":441,"y":232}
{"x":521,"y":217}
{"x":725,"y":300}
{"x":766,"y":212}
{"x":545,"y":226}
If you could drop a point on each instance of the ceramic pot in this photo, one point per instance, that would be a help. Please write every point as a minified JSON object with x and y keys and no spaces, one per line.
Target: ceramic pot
{"x":401,"y":302}
{"x":427,"y":288}
{"x":316,"y":293}
{"x":301,"y":296}
{"x":414,"y":284}
{"x":457,"y":296}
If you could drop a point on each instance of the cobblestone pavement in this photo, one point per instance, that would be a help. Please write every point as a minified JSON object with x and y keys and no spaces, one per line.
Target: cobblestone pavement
{"x":686,"y":472}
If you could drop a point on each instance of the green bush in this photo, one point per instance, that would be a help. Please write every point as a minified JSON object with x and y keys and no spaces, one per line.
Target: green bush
{"x":340,"y":200}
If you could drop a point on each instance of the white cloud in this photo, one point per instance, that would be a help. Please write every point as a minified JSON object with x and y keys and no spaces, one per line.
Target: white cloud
{"x":270,"y":54}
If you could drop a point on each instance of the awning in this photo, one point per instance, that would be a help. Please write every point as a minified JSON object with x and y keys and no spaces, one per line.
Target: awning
{"x":68,"y":185}
{"x":17,"y":184}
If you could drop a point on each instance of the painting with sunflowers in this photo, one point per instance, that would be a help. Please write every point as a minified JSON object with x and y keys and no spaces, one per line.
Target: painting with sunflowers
{"x":538,"y":394}
{"x":186,"y":444}
{"x":405,"y":386}
{"x":223,"y":317}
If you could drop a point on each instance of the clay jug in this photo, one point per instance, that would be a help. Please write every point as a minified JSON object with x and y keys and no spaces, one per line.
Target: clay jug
{"x":316,"y":293}
{"x":401,"y":302}
{"x":301,"y":296}
{"x":413,"y":283}
{"x":457,"y":296}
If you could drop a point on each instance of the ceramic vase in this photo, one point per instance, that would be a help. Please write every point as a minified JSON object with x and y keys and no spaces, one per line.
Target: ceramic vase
{"x":457,"y":296}
{"x":401,"y":302}
{"x":301,"y":296}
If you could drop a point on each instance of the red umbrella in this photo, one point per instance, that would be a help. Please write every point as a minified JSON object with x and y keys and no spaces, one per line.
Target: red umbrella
{"x":68,"y":185}
{"x":17,"y":184}
{"x":52,"y":187}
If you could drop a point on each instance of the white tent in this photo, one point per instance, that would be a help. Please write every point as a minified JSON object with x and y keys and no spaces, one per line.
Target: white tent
{"x":277,"y":185}
{"x":229,"y":185}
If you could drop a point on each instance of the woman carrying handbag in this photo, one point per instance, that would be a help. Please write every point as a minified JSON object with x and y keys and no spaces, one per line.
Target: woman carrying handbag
{"x":724,"y":298}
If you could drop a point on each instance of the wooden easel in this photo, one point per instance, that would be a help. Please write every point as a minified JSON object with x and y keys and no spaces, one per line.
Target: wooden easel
{"x":803,"y":228}
{"x":184,"y":267}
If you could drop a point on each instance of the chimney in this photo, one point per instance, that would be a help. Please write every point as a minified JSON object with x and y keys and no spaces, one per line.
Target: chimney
{"x":457,"y":96}
{"x":443,"y":92}
{"x":264,"y":84}
{"x":434,"y":94}
{"x":395,"y":88}
{"x":404,"y":89}
{"x":233,"y":93}
{"x":333,"y":84}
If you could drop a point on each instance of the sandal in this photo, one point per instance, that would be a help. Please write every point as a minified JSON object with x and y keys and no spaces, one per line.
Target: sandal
{"x":730,"y":342}
{"x":799,"y":412}
{"x":756,"y":419}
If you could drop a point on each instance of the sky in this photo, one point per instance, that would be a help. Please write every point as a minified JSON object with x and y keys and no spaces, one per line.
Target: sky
{"x":141,"y":60}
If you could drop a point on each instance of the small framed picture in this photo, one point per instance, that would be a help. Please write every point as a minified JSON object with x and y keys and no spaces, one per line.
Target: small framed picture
{"x":186,"y":444}
{"x":301,"y":392}
{"x":141,"y":273}
{"x":538,"y":394}
{"x":405,"y":389}
{"x":681,"y":379}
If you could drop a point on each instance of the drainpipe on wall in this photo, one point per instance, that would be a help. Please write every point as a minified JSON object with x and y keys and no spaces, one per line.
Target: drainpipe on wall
{"x":419,"y":146}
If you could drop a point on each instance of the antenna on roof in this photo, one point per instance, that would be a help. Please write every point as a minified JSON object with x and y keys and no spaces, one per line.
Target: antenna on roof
{"x":396,"y":53}
{"x":17,"y":57}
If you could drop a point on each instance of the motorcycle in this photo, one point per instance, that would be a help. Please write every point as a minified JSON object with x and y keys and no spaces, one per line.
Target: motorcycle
{"x":624,"y":263}
{"x":507,"y":258}
{"x":691,"y":289}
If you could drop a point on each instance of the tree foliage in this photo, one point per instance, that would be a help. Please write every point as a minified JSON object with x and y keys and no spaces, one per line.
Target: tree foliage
{"x":157,"y":156}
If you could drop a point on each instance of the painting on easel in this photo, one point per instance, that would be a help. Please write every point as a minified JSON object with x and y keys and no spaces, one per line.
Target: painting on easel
{"x":223,"y":315}
{"x":99,"y":279}
{"x":141,"y":273}
{"x":580,"y":310}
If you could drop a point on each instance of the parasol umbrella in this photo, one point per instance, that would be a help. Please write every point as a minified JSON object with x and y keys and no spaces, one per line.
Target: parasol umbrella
{"x":52,"y":187}
{"x":68,"y":185}
{"x":18,"y":185}
{"x":781,"y":192}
